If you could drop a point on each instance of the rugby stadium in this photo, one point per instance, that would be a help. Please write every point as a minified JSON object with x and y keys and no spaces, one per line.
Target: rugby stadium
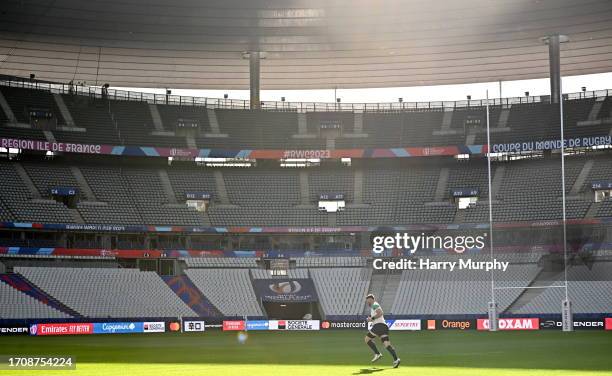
{"x":147,"y":232}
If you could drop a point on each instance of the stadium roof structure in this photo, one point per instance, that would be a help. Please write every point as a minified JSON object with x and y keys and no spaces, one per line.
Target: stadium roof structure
{"x":307,"y":44}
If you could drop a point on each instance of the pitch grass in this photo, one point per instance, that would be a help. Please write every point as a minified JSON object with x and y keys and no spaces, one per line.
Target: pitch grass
{"x":324,"y":353}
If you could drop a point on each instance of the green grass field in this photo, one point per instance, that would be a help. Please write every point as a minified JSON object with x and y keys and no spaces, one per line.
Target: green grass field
{"x":324,"y":353}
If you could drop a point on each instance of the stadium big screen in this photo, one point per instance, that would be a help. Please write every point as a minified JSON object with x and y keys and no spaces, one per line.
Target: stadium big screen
{"x":296,"y":187}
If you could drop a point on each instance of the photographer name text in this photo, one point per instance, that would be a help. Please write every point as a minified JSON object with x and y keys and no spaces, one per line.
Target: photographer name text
{"x":428,"y":264}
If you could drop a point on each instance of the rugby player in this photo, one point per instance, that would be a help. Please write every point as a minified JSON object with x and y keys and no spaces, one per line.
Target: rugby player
{"x":379,"y":329}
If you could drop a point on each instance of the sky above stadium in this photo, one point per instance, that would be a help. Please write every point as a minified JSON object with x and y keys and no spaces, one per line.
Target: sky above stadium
{"x":571,"y":84}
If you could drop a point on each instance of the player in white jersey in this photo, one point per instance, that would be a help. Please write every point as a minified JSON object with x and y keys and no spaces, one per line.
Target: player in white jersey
{"x":379,"y":329}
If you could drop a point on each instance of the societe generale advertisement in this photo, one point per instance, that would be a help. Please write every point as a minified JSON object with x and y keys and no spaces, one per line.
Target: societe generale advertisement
{"x":294,"y":325}
{"x":154,"y":327}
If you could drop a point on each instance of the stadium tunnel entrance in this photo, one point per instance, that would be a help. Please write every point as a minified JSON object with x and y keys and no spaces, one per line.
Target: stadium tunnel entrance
{"x":292,"y":311}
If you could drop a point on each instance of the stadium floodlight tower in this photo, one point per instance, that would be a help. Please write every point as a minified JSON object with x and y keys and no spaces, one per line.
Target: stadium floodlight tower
{"x":556,"y":96}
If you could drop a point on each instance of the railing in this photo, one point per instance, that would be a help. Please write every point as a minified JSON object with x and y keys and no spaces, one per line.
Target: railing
{"x":222,"y":103}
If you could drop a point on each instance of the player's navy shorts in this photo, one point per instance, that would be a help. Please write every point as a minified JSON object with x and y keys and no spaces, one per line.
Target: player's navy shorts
{"x":378,"y":329}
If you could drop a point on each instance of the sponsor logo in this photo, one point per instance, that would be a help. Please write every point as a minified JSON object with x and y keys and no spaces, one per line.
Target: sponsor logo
{"x":404,"y":324}
{"x":456,"y":324}
{"x":154,"y":327}
{"x":511,"y":324}
{"x":194,"y":326}
{"x":257,"y":325}
{"x":117,"y":327}
{"x":277,"y":324}
{"x":450,"y":324}
{"x":291,"y":287}
{"x":174,"y":326}
{"x":344,"y":325}
{"x":578,"y":324}
{"x":50,"y":146}
{"x":294,"y":324}
{"x":608,"y":323}
{"x":234,"y":325}
{"x":13,"y":330}
{"x":61,"y":329}
{"x":589,"y":324}
{"x":550,"y":324}
{"x":302,"y":325}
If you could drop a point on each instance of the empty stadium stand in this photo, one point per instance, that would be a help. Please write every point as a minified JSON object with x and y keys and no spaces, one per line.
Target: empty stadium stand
{"x":108,"y":292}
{"x":17,"y":305}
{"x":230,"y":290}
{"x":434,"y":292}
{"x":129,"y":122}
{"x":24,"y":202}
{"x":341,"y":290}
{"x":590,"y":290}
{"x":22,"y":101}
{"x":394,"y":193}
